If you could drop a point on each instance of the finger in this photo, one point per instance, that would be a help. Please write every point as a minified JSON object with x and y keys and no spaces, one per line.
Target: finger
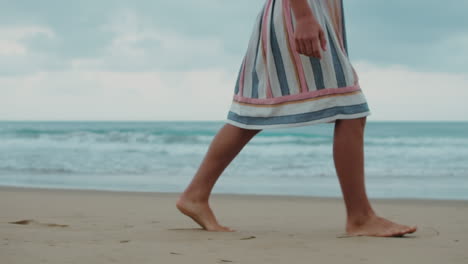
{"x":323,"y":40}
{"x":298,"y":46}
{"x":303,"y":47}
{"x":316,"y":48}
{"x":308,"y":47}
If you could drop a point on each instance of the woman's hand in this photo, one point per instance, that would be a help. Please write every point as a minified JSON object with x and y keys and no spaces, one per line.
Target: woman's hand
{"x":309,"y":37}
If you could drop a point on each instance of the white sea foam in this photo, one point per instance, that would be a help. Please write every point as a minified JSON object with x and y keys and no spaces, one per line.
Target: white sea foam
{"x":426,"y":160}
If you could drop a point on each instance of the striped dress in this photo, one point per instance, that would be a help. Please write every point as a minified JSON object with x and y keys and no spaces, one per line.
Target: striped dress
{"x":277,"y":87}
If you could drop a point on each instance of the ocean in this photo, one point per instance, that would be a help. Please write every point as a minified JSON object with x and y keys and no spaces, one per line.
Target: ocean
{"x":421,"y":160}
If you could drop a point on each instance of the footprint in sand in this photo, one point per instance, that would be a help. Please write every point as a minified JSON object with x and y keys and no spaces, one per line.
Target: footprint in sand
{"x":34,"y":222}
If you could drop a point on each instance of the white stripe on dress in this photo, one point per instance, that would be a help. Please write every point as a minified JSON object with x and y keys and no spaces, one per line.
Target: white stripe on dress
{"x":250,"y":59}
{"x":299,"y":108}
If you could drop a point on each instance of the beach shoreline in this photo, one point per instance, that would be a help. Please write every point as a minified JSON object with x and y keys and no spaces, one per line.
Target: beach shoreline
{"x":93,"y":226}
{"x":227,"y":195}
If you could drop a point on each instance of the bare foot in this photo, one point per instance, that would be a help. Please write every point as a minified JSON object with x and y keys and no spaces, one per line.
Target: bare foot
{"x":378,"y":226}
{"x":202,"y":214}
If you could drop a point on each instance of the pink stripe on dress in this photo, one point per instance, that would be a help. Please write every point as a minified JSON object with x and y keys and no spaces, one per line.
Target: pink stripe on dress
{"x":299,"y":96}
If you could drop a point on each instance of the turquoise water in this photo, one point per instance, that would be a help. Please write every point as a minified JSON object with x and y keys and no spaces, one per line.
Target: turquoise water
{"x":426,"y":160}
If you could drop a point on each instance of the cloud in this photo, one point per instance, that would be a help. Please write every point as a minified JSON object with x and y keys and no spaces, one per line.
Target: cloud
{"x":394,"y":93}
{"x":152,"y":60}
{"x":103,"y":95}
{"x":137,"y":45}
{"x":398,"y":92}
{"x":134,"y":44}
{"x":420,"y":34}
{"x":425,"y":35}
{"x":13,"y":40}
{"x":20,"y":49}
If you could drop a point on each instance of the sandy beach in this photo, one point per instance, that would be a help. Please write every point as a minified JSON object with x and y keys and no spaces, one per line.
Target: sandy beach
{"x":81,"y":226}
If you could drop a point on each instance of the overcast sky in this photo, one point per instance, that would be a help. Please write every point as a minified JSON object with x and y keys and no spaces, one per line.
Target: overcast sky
{"x":178,"y":60}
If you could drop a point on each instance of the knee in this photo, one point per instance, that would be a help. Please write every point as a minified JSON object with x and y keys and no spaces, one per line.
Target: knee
{"x":244,"y":132}
{"x":363,"y":121}
{"x":357,"y":124}
{"x":249,"y":131}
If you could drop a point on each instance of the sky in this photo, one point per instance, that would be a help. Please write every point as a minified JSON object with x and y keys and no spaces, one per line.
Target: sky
{"x":178,"y":60}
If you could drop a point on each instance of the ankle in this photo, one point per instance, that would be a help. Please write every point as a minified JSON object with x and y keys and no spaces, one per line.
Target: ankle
{"x":360,"y":218}
{"x":194,"y":197}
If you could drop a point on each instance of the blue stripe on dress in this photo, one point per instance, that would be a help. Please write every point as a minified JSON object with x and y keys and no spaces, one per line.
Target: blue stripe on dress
{"x":275,"y":49}
{"x":255,"y":79}
{"x":255,"y":84}
{"x":300,"y":118}
{"x":318,"y":73}
{"x":340,"y":77}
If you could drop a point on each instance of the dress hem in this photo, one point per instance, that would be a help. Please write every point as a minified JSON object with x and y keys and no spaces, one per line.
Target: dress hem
{"x":307,"y":123}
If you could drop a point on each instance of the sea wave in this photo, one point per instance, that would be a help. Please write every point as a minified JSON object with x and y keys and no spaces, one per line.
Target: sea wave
{"x":129,"y":136}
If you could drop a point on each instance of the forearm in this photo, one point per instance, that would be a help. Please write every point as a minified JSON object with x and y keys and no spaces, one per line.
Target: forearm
{"x":301,"y":9}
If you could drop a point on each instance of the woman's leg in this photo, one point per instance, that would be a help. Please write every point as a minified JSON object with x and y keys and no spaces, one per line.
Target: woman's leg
{"x":223,"y":149}
{"x":348,"y":155}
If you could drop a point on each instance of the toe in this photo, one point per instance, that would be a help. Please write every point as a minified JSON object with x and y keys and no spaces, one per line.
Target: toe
{"x":228,"y":229}
{"x":220,"y":228}
{"x":408,"y":230}
{"x":403,"y":231}
{"x":398,"y":232}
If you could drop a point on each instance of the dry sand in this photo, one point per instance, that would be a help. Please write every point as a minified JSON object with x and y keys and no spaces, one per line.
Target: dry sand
{"x":70,"y":226}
